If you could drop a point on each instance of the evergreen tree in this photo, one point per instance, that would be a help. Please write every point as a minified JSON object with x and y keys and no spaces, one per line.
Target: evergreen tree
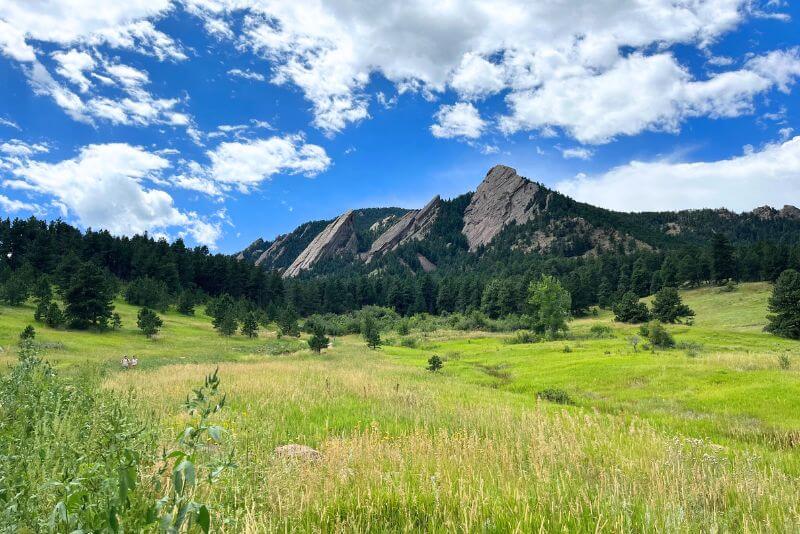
{"x":116,"y":321}
{"x":369,"y":329}
{"x":784,"y":305}
{"x":149,"y":322}
{"x":29,"y":333}
{"x":149,"y":293}
{"x":434,"y":363}
{"x":640,"y":278}
{"x":287,"y":322}
{"x":668,"y":306}
{"x":723,"y":264}
{"x":54,"y":317}
{"x":228,"y":324}
{"x":549,"y":304}
{"x":88,"y":298}
{"x":318,"y":341}
{"x":250,"y":325}
{"x":185,"y":303}
{"x":14,"y":291}
{"x":629,"y":310}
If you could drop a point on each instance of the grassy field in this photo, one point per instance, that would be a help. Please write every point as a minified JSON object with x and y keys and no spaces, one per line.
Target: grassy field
{"x":701,"y":438}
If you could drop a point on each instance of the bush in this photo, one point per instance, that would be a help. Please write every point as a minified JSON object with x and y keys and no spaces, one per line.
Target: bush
{"x":318,"y":341}
{"x":522,"y":338}
{"x":555,"y":395}
{"x":29,"y":333}
{"x":600,"y":331}
{"x":402,"y":327}
{"x":657,"y":335}
{"x":435,"y":363}
{"x":628,"y":309}
{"x":409,"y":342}
{"x":784,"y":361}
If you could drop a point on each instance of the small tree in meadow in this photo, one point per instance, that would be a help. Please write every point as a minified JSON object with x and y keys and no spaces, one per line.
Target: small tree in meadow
{"x":549,"y":305}
{"x":287,"y":322}
{"x":250,"y":325}
{"x":668,"y":306}
{"x":628,"y":309}
{"x":657,"y":335}
{"x":185,"y":303}
{"x":54,"y":317}
{"x":784,"y":305}
{"x":318,"y":340}
{"x":369,"y":329}
{"x":227,"y":325}
{"x":116,"y":321}
{"x":149,"y":322}
{"x":434,"y":364}
{"x":29,"y":333}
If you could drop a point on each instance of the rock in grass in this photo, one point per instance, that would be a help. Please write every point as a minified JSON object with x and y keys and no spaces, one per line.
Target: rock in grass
{"x":297,"y":452}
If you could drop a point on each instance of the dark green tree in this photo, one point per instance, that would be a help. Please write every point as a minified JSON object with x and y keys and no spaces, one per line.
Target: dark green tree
{"x":287,"y":322}
{"x":723,"y":264}
{"x":657,"y":335}
{"x":668,"y":306}
{"x":88,"y":298}
{"x":628,"y":309}
{"x":116,"y":321}
{"x":370,"y":331}
{"x":250,"y":325}
{"x":318,"y":340}
{"x":227,"y":325}
{"x":434,"y":363}
{"x":54,"y":317}
{"x":149,"y":293}
{"x":149,"y":322}
{"x":28,"y":333}
{"x":784,"y":305}
{"x":14,"y":291}
{"x":185,"y":303}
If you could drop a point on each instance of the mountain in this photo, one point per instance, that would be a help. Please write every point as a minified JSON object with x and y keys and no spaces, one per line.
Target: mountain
{"x":507,"y":214}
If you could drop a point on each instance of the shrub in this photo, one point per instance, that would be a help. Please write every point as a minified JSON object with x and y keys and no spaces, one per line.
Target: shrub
{"x":116,"y":321}
{"x":318,"y":341}
{"x":402,"y":327}
{"x":784,"y":361}
{"x":628,"y":309}
{"x":600,"y":331}
{"x":148,"y":322}
{"x":567,"y":348}
{"x":28,"y":333}
{"x":435,"y":363}
{"x":409,"y":342}
{"x":657,"y":335}
{"x":555,"y":395}
{"x":522,"y":338}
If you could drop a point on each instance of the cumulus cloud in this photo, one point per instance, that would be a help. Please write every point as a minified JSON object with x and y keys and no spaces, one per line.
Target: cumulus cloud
{"x":105,"y":186}
{"x":767,"y":176}
{"x":246,"y":164}
{"x":576,"y":153}
{"x":459,"y":120}
{"x":10,"y":205}
{"x":15,"y":147}
{"x":72,"y":65}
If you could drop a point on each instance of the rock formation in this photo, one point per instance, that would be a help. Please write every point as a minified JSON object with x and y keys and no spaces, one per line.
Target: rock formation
{"x":503,"y":197}
{"x":790,"y":212}
{"x":413,"y":225}
{"x":273,"y":252}
{"x":768,"y":213}
{"x":338,"y":238}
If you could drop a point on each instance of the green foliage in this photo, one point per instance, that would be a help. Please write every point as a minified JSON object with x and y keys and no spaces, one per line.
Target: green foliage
{"x":149,"y":322}
{"x":227,"y":324}
{"x":28,"y":333}
{"x":784,"y":361}
{"x":287,"y":322}
{"x":668,"y":306}
{"x":549,"y":305}
{"x":370,"y":332}
{"x":88,"y":299}
{"x":179,"y":510}
{"x":435,"y":363}
{"x":723,"y":263}
{"x":784,"y":305}
{"x":555,"y":395}
{"x":148,"y":293}
{"x":116,"y":321}
{"x":14,"y":291}
{"x":403,"y":328}
{"x":522,"y":338}
{"x":628,"y":309}
{"x":55,"y":317}
{"x":657,"y":335}
{"x":318,"y":340}
{"x":185,"y":304}
{"x":250,"y":325}
{"x":71,"y":454}
{"x":601,"y":331}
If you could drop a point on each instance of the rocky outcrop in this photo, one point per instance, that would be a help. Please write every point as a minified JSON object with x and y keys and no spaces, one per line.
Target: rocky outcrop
{"x":338,"y":238}
{"x":575,"y":236}
{"x":502,"y":198}
{"x":273,"y":252}
{"x":790,"y":212}
{"x":768,"y":213}
{"x":427,"y":265}
{"x":413,"y":225}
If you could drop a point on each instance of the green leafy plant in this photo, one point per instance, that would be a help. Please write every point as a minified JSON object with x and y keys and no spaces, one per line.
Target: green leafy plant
{"x":555,"y":395}
{"x":435,"y":364}
{"x":178,"y":510}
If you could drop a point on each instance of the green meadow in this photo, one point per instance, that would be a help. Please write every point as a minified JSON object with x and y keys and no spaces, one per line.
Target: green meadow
{"x":700,"y":438}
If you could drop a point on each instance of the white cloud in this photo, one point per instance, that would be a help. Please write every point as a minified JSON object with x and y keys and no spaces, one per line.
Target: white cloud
{"x":576,"y":153}
{"x":596,"y":108}
{"x":246,"y":164}
{"x":247,"y":74}
{"x":767,"y":176}
{"x":72,"y":65}
{"x":779,"y":66}
{"x":15,"y":147}
{"x":9,"y":123}
{"x":13,"y":45}
{"x":459,"y":120}
{"x":140,"y":36}
{"x":104,"y":186}
{"x":10,"y":205}
{"x":478,"y":47}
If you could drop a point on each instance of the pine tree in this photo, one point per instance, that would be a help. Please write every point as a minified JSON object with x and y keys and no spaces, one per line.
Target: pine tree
{"x":723,"y":265}
{"x":250,"y":325}
{"x":318,"y":340}
{"x":629,"y":310}
{"x":148,"y":322}
{"x":54,"y":317}
{"x":668,"y":306}
{"x":369,"y":329}
{"x":28,"y":333}
{"x":287,"y":322}
{"x":784,"y":305}
{"x":228,"y":325}
{"x":185,"y":303}
{"x":88,"y":298}
{"x":116,"y":321}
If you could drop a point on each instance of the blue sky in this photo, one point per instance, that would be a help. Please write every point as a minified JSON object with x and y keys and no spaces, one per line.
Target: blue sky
{"x":226,"y":120}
